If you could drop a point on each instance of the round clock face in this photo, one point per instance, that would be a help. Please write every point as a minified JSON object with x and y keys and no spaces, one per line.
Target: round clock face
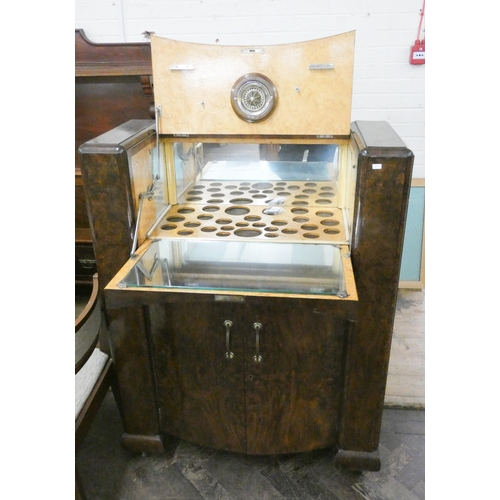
{"x":253,"y":97}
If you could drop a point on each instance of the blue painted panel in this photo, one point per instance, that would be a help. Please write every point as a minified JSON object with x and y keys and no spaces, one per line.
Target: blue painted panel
{"x":412,"y":246}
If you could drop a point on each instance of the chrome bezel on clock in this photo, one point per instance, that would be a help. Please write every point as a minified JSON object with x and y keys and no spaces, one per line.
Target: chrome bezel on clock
{"x":253,"y":97}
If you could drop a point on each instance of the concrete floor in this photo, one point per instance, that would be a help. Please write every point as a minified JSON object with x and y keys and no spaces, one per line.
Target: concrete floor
{"x":406,"y":377}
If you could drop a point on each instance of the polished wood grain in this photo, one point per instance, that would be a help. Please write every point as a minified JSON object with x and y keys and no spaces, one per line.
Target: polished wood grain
{"x":201,"y":392}
{"x":112,"y":85}
{"x":293,"y":395}
{"x":286,"y":402}
{"x":354,"y":413}
{"x":197,"y":101}
{"x":382,"y":194}
{"x":110,"y":59}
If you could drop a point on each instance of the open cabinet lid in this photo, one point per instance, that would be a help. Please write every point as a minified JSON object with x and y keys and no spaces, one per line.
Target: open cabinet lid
{"x":299,"y":89}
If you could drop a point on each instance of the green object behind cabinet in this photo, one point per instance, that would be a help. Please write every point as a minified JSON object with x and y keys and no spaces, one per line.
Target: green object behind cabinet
{"x":412,"y":248}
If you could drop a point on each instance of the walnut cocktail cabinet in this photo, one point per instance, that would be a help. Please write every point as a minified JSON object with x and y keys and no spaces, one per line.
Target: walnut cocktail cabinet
{"x":251,"y":265}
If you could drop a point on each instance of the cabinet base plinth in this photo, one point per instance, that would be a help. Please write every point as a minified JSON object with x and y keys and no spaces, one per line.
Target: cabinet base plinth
{"x":357,"y":460}
{"x":137,"y":443}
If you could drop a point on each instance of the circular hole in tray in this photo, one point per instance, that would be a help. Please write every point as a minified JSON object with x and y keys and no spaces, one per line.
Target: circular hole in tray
{"x":227,"y":228}
{"x":300,"y":203}
{"x":253,"y":191}
{"x":310,"y":184}
{"x":168,"y":227}
{"x":216,"y":183}
{"x":330,"y":222}
{"x":259,"y":196}
{"x":241,"y":201}
{"x":205,"y":217}
{"x":331,"y":231}
{"x":223,"y":221}
{"x":329,"y":195}
{"x":199,"y":186}
{"x":213,"y":190}
{"x":215,"y":200}
{"x":293,"y":187}
{"x":209,"y":229}
{"x":324,"y":214}
{"x":244,"y":183}
{"x":289,"y":230}
{"x":192,"y":224}
{"x":259,"y":224}
{"x":196,"y":192}
{"x":244,"y":188}
{"x":310,"y":191}
{"x":279,"y":188}
{"x":323,"y":201}
{"x":326,"y":188}
{"x":271,"y":235}
{"x":210,"y":208}
{"x":311,"y":235}
{"x":176,"y":218}
{"x":271,"y":229}
{"x":309,"y":227}
{"x":262,"y":185}
{"x":248,"y":233}
{"x":252,"y":218}
{"x":194,"y":198}
{"x":186,"y":210}
{"x":242,"y":224}
{"x":300,"y":211}
{"x":223,"y":234}
{"x":301,"y":219}
{"x":279,"y":222}
{"x":285,"y":193}
{"x":301,"y":196}
{"x":184,"y":232}
{"x":236,"y":210}
{"x":232,"y":186}
{"x":236,"y":193}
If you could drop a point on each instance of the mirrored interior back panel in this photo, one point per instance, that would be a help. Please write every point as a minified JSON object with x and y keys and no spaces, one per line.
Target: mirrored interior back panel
{"x":280,"y":192}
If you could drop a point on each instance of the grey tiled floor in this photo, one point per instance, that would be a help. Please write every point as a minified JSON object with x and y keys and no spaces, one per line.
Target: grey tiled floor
{"x":190,"y":472}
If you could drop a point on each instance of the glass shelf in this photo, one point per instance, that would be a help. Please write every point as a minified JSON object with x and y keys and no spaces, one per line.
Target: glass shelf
{"x":288,"y":268}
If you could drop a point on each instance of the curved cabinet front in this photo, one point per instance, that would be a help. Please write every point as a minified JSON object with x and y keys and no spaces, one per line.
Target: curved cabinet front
{"x":258,"y":377}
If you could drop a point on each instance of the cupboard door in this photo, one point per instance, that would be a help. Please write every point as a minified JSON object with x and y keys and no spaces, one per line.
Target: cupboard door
{"x":293,"y":382}
{"x":200,"y":388}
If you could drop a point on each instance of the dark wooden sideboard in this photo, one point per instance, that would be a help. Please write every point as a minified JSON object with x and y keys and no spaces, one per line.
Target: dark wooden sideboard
{"x":112,"y":85}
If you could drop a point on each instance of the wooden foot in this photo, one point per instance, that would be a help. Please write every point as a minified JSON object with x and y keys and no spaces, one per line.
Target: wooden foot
{"x":357,"y":460}
{"x":142,"y":444}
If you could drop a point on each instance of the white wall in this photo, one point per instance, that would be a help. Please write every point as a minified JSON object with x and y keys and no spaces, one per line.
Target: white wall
{"x":386,"y":86}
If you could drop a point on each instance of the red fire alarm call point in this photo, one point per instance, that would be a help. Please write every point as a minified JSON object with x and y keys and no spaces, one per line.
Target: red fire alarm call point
{"x":417,"y":53}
